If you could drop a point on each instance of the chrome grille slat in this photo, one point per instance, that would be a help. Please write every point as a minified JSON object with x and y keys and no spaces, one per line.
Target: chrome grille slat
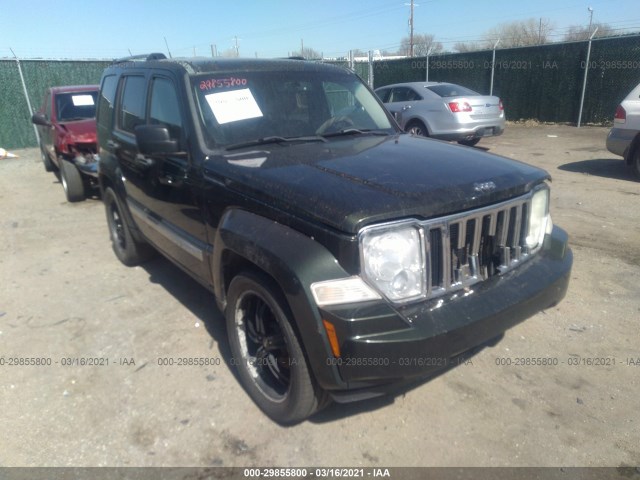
{"x":467,"y":248}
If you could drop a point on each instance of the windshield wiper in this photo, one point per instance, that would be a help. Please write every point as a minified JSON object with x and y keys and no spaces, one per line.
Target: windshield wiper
{"x":356,"y":131}
{"x":276,"y":139}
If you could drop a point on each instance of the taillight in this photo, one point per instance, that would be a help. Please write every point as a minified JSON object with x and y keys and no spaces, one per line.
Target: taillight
{"x":500,"y":106}
{"x":621,"y":114}
{"x":459,"y":107}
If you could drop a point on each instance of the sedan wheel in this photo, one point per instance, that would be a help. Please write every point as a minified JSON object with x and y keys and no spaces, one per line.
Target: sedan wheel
{"x":417,"y":128}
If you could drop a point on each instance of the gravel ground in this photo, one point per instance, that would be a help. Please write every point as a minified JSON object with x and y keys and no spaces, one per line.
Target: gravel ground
{"x":64,"y":295}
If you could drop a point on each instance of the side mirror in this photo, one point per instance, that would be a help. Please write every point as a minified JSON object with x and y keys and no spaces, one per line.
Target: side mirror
{"x":155,"y":140}
{"x":40,"y":119}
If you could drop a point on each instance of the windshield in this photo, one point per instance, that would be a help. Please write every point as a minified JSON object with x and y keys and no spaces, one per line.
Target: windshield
{"x":76,"y":106}
{"x":248,"y":106}
{"x":451,"y":90}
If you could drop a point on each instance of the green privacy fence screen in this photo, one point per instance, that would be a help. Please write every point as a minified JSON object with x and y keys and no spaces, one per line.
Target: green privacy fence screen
{"x":542,"y":82}
{"x":16,"y":130}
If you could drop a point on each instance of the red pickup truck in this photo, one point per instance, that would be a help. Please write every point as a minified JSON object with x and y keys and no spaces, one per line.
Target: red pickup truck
{"x":67,"y":129}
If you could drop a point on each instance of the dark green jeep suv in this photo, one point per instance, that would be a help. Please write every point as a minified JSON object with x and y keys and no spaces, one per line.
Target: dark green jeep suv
{"x":347,"y":256}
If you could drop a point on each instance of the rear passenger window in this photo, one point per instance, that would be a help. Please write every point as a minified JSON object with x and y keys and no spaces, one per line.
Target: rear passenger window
{"x":132,"y":103}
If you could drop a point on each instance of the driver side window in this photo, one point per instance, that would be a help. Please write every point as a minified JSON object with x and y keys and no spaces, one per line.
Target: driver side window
{"x":164,"y":107}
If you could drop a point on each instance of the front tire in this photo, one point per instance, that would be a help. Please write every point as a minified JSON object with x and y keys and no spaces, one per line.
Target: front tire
{"x":127,"y":249}
{"x":71,"y":181}
{"x":266,"y":351}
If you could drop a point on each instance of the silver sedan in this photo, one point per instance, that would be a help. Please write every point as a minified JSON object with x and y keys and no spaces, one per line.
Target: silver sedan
{"x":444,"y":110}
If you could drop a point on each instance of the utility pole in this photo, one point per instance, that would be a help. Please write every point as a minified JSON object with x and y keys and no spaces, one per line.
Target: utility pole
{"x":236,"y":46}
{"x":411,"y":31}
{"x":540,"y":32}
{"x":302,"y":47}
{"x":214,"y":50}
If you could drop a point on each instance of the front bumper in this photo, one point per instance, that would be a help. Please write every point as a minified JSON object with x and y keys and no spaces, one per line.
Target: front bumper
{"x":381,"y":344}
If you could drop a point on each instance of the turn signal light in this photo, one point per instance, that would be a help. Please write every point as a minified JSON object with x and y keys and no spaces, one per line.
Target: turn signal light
{"x":333,"y":338}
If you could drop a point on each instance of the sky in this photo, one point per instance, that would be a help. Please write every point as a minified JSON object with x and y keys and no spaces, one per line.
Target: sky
{"x":107,"y":29}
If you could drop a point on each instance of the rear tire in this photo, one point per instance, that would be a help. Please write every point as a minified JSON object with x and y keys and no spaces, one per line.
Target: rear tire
{"x":127,"y":249}
{"x":469,"y":143}
{"x":417,"y":128}
{"x":266,"y":352}
{"x":71,"y":181}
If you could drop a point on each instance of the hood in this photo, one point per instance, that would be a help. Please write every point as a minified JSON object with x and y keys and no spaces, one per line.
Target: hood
{"x":351,"y":182}
{"x":80,"y":131}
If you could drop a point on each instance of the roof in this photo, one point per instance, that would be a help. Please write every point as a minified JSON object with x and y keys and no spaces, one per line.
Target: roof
{"x":415,"y":84}
{"x":74,"y":88}
{"x":196,"y":65}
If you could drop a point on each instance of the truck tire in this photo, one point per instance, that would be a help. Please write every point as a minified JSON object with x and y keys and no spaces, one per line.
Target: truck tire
{"x":71,"y":181}
{"x":266,"y":352}
{"x":127,"y":249}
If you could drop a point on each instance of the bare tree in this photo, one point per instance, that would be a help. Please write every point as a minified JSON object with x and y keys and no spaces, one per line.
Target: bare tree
{"x":464,"y":47}
{"x":576,"y":33}
{"x":520,"y":33}
{"x":423,"y":45}
{"x":307,"y":52}
{"x":230,"y":53}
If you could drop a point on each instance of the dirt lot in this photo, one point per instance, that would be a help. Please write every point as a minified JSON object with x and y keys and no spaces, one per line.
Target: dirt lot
{"x":64,"y":295}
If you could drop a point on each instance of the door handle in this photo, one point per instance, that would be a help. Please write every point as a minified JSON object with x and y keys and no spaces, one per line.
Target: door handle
{"x":112,"y":144}
{"x":406,"y":107}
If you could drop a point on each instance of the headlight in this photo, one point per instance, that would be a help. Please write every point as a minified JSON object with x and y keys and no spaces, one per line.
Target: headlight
{"x":539,"y":218}
{"x":393,"y":261}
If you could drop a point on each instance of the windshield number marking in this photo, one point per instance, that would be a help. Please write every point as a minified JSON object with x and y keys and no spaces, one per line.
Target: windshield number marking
{"x":214,"y":83}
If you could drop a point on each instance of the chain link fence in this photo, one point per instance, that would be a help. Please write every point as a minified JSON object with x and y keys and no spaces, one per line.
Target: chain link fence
{"x":543,"y":83}
{"x":16,"y":130}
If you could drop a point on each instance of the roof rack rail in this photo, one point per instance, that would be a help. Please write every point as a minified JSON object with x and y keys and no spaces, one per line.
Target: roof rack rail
{"x":142,"y":58}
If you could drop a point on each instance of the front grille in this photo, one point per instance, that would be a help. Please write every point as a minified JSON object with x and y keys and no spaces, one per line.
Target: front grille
{"x":467,"y":248}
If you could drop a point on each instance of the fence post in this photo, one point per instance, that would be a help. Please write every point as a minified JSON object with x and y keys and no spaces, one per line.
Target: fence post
{"x":26,"y":93}
{"x":370,"y":68}
{"x":352,"y":63}
{"x":584,"y":80}
{"x":493,"y":66}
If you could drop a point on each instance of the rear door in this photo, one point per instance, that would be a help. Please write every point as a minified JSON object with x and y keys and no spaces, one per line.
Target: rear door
{"x":400,"y":101}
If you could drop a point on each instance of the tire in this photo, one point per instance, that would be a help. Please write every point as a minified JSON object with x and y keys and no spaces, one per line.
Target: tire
{"x":417,"y":128}
{"x":469,"y":143}
{"x":266,"y":351}
{"x":71,"y":181}
{"x":127,"y":249}
{"x":48,"y":164}
{"x":635,"y":162}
